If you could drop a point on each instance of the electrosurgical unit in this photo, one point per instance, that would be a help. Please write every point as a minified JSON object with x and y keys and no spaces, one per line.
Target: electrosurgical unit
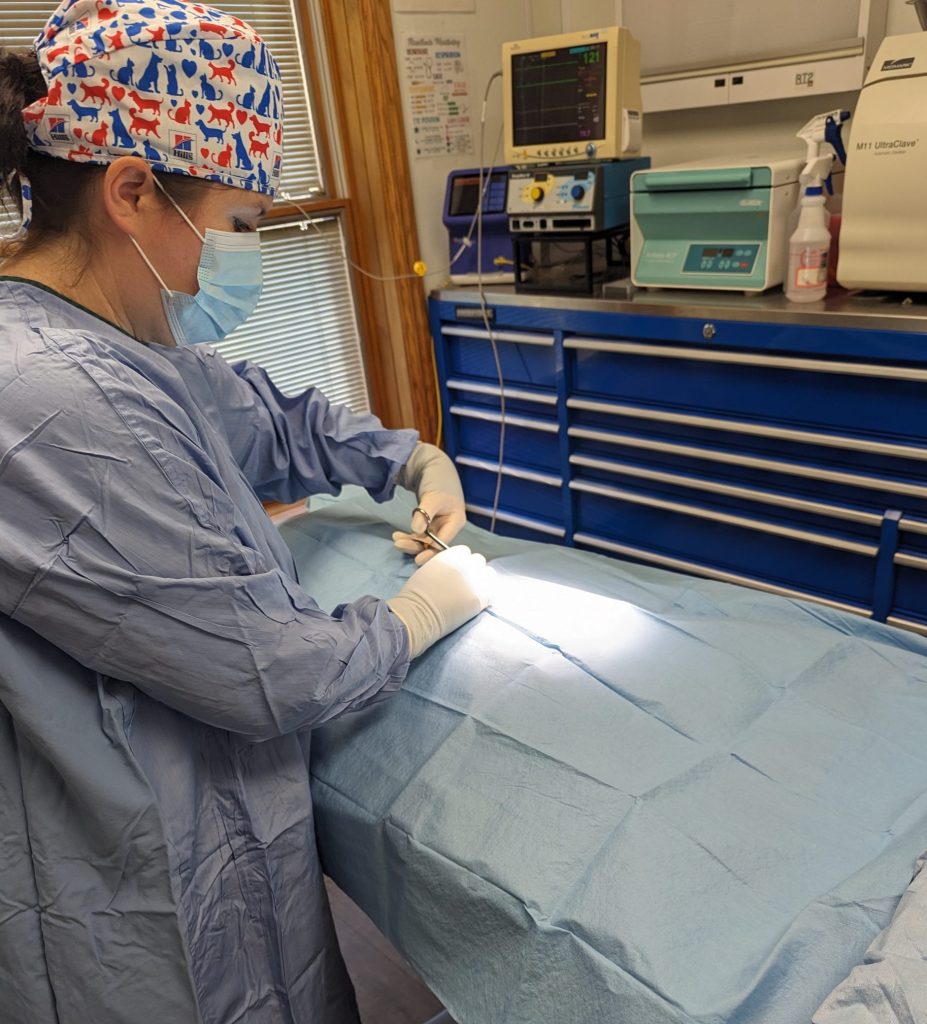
{"x":571,"y":197}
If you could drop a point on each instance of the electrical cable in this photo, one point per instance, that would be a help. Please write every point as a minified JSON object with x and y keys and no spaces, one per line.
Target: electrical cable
{"x":311,"y":221}
{"x":421,"y":272}
{"x":439,"y":435}
{"x":476,"y":221}
{"x":420,"y":268}
{"x":484,"y":311}
{"x":477,"y":218}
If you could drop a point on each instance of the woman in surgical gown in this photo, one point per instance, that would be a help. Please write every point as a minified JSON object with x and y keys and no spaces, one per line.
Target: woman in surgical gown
{"x":160,"y":665}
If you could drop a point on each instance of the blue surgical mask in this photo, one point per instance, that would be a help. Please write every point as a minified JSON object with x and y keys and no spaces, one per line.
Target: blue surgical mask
{"x":229,"y":276}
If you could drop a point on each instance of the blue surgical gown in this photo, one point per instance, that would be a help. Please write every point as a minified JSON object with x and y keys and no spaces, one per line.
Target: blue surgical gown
{"x":160,"y":669}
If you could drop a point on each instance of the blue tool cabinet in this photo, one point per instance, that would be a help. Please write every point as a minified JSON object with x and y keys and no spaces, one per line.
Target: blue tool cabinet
{"x":740,"y":438}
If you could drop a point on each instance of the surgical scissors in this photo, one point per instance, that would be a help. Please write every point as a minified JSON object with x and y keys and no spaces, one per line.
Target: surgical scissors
{"x":427,"y":531}
{"x":437,"y":540}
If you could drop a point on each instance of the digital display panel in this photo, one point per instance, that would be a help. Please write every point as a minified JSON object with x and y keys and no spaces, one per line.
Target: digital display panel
{"x":465,"y":194}
{"x":716,"y":259}
{"x":559,"y":95}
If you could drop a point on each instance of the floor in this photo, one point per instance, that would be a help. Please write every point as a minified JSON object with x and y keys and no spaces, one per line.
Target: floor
{"x":388,"y":990}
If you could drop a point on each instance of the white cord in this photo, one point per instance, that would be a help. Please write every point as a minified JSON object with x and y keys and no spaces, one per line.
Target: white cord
{"x":311,"y":221}
{"x":477,"y":222}
{"x":465,"y":242}
{"x":484,"y":311}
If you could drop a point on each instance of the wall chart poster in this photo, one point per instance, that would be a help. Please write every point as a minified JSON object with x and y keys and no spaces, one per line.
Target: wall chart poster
{"x":438,"y":96}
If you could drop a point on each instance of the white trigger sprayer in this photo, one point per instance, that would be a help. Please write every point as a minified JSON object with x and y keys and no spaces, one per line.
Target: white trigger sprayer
{"x":809,"y":243}
{"x":823,"y":142}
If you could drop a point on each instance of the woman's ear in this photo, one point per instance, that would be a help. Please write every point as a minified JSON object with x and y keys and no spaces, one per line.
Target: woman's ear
{"x":129,"y":195}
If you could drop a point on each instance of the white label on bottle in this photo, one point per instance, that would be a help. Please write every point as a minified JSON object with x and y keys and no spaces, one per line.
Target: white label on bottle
{"x":810,"y":278}
{"x":811,"y":268}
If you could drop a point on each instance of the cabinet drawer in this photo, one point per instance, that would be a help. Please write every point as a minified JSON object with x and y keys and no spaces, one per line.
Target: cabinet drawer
{"x":529,"y":440}
{"x":831,"y":467}
{"x":525,"y":357}
{"x":773,"y":452}
{"x":859,"y":399}
{"x":816,"y":562}
{"x":855,"y":522}
{"x":523,"y":492}
{"x":518,"y":401}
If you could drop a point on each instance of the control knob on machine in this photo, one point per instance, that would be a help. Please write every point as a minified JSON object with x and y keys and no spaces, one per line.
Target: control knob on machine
{"x":577,"y":192}
{"x":537,"y":193}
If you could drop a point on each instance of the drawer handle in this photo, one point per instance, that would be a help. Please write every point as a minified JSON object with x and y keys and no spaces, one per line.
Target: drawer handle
{"x":907,"y":525}
{"x":456,"y":384}
{"x":777,"y":499}
{"x":511,"y":517}
{"x":851,"y":444}
{"x":751,"y":462}
{"x":915,"y":627}
{"x":511,"y":421}
{"x":698,"y":569}
{"x":911,"y":561}
{"x":514,"y":336}
{"x":747,"y":359}
{"x":547,"y":479}
{"x":714,"y":514}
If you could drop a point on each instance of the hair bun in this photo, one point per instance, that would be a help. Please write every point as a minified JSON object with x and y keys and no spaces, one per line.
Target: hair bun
{"x":21,"y":83}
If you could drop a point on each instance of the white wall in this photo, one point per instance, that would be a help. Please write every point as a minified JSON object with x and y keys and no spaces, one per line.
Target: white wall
{"x":674,"y":136}
{"x":669,"y":137}
{"x":484,"y":31}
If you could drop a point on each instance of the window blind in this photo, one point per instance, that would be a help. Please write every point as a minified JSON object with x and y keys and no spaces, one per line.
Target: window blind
{"x":277,"y":21}
{"x":304,"y":331}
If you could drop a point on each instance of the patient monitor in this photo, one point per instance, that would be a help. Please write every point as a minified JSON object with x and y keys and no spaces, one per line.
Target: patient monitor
{"x":570,"y":97}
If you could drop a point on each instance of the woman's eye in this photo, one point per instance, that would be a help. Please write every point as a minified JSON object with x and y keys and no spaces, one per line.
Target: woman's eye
{"x":240,"y":225}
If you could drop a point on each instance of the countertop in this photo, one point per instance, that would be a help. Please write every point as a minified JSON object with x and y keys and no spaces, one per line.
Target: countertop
{"x":875,"y":311}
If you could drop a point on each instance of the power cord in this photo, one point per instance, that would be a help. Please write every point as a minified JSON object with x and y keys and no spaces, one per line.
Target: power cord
{"x":419,"y":268}
{"x":483,"y":309}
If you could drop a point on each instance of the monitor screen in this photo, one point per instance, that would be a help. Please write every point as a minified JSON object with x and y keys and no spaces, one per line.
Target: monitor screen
{"x":559,"y":95}
{"x":465,"y":194}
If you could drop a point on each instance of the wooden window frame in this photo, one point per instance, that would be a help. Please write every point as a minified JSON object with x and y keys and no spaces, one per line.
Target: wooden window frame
{"x":377,"y":211}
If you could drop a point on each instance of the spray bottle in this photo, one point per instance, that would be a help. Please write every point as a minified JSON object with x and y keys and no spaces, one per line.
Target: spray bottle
{"x":810,"y":242}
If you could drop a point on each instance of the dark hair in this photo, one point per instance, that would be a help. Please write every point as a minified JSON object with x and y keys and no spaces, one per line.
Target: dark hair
{"x":61,"y":189}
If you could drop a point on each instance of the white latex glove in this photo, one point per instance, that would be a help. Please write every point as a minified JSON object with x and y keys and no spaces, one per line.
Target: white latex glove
{"x":432,"y":478}
{"x":454,"y":586}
